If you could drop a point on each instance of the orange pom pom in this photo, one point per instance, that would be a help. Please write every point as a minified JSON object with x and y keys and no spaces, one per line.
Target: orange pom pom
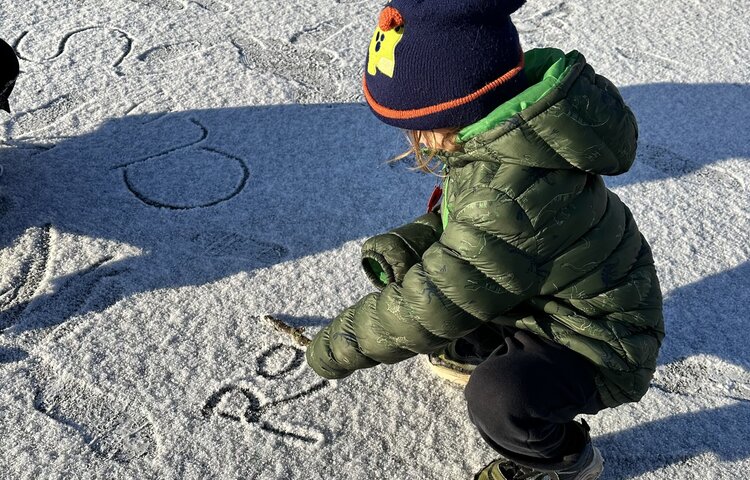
{"x":390,"y":18}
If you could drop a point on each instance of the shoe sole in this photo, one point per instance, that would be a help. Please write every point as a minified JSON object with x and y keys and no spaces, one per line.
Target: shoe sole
{"x":594,"y":469}
{"x":446,"y":373}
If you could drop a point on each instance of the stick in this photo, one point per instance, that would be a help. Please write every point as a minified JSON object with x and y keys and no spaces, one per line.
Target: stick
{"x":297,"y":334}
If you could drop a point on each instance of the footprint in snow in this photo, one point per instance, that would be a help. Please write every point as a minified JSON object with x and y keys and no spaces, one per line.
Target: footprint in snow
{"x":704,"y":375}
{"x":113,"y":428}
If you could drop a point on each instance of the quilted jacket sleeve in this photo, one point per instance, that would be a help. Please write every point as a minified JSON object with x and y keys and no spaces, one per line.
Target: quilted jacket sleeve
{"x":472,"y":274}
{"x":387,"y":257}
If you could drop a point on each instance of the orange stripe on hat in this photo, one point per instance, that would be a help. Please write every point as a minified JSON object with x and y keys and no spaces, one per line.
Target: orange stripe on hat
{"x":440,"y":107}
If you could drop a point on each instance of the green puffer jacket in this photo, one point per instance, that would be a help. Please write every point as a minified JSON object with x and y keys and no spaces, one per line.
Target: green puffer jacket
{"x":530,"y":238}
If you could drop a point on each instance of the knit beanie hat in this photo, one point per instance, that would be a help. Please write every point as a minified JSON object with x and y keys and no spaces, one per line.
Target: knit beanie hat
{"x":443,"y":63}
{"x":8,"y":73}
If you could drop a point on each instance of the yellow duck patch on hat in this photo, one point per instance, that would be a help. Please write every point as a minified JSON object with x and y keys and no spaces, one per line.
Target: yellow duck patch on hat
{"x":383,"y":44}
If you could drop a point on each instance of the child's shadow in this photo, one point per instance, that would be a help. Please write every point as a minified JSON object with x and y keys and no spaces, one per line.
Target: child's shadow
{"x":708,"y":317}
{"x":190,"y":198}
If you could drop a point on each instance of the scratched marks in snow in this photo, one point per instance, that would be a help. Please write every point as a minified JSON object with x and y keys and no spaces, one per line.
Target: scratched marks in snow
{"x":112,"y":428}
{"x":545,"y":21}
{"x":169,"y":53}
{"x":214,"y":6}
{"x":94,"y":288}
{"x":259,"y":404}
{"x":169,"y":5}
{"x":30,"y":313}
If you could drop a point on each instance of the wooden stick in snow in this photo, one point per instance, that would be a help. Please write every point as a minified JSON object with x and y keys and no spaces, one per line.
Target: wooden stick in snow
{"x":297,"y":334}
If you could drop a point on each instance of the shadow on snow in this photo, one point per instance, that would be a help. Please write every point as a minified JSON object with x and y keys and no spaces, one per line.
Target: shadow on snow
{"x":193,"y":197}
{"x":708,"y":317}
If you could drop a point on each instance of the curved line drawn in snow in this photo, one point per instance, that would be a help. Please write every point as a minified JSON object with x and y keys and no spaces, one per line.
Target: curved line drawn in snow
{"x":152,"y":202}
{"x":201,"y":138}
{"x":144,"y":198}
{"x":241,"y":404}
{"x":64,"y":41}
{"x":294,"y":361}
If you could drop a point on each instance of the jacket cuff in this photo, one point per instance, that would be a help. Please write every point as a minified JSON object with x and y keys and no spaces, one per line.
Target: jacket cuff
{"x":377,"y":269}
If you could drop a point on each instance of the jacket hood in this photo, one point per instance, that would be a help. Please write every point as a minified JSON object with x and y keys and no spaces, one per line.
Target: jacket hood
{"x":569,"y":117}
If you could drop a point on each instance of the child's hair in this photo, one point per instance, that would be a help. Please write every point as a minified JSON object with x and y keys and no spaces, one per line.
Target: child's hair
{"x":424,"y":158}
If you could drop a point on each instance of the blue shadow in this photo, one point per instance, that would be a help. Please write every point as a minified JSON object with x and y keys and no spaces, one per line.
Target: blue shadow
{"x":202,"y":195}
{"x":686,"y":127}
{"x":707,"y":317}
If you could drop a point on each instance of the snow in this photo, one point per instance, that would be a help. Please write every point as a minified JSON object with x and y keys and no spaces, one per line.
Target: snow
{"x":175,"y":170}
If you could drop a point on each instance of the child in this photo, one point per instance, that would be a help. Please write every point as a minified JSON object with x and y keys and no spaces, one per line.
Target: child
{"x":531,"y":280}
{"x":8,"y":73}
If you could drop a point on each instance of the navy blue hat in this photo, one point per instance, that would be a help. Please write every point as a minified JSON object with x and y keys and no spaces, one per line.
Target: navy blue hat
{"x":443,"y":63}
{"x":8,"y":73}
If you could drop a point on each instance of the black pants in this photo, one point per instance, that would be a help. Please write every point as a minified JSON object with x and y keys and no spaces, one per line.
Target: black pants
{"x":524,"y":397}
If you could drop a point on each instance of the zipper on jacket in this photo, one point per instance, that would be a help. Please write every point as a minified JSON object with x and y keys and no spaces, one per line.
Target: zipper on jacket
{"x":444,"y":206}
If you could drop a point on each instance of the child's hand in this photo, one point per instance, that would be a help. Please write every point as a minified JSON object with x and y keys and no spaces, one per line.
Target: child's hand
{"x":320,"y":357}
{"x":335,"y":351}
{"x":387,"y":257}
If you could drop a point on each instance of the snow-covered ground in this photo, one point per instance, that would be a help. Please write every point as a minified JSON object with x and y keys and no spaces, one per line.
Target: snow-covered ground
{"x":177,"y":169}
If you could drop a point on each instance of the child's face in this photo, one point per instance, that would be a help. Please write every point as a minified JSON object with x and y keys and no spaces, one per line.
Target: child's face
{"x":435,"y":139}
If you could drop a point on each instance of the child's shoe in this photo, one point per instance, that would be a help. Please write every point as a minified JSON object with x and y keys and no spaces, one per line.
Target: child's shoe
{"x":589,"y":466}
{"x":454,"y":363}
{"x":459,"y":358}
